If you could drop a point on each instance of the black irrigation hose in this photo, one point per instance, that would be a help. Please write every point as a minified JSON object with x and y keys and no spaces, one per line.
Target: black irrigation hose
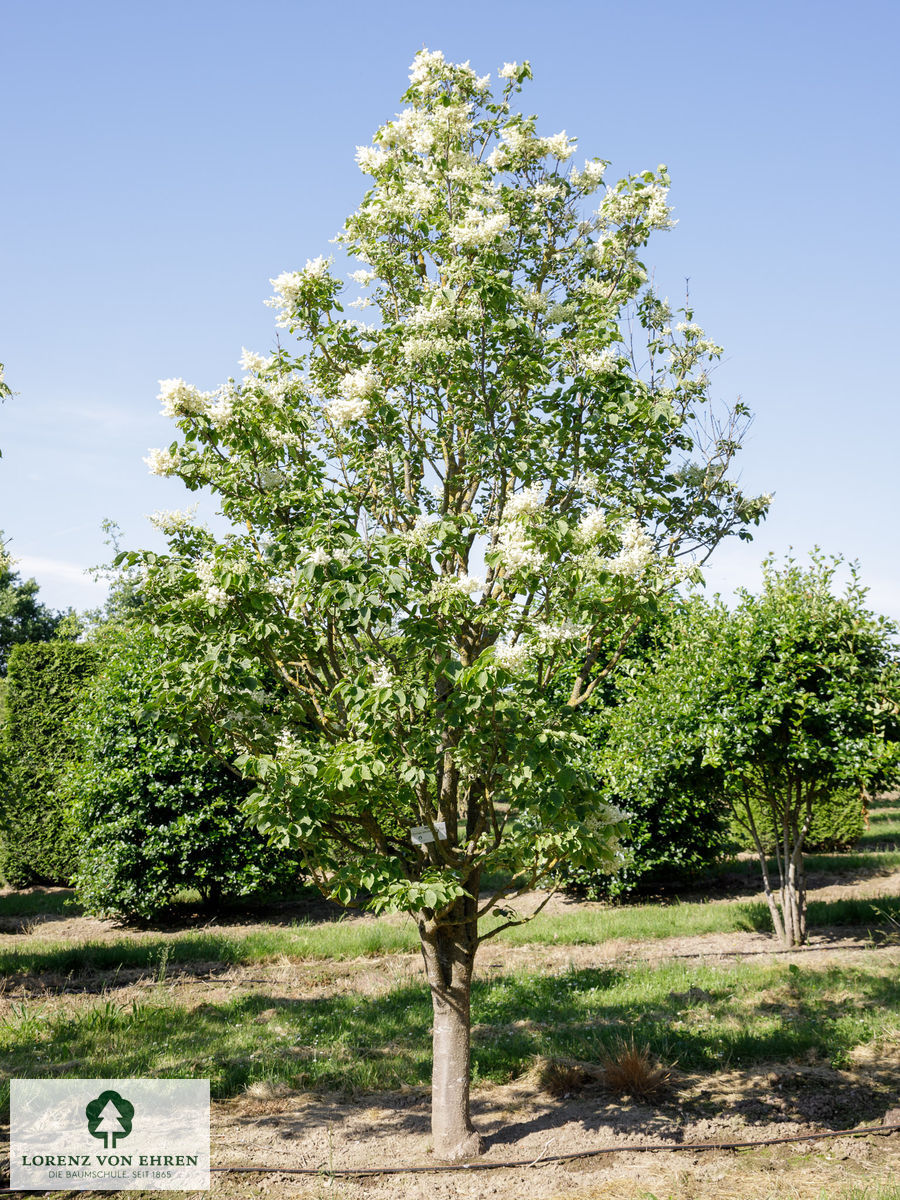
{"x":542,"y":1160}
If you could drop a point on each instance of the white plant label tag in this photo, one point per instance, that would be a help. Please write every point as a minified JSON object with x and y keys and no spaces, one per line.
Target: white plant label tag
{"x":422,"y":834}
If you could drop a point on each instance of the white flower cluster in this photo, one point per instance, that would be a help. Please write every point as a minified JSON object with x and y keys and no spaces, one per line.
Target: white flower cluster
{"x":548,"y":191}
{"x":277,"y":391}
{"x":636,"y":553}
{"x":359,"y":384}
{"x":479,"y":228}
{"x":604,"y":362}
{"x":558,"y":314}
{"x":603,"y":814}
{"x":320,"y":557}
{"x":180,"y":399}
{"x":412,"y":130}
{"x":424,"y":64}
{"x":316,"y":268}
{"x":533,"y":301}
{"x":271,"y":479}
{"x":509,"y":70}
{"x":420,"y":534}
{"x":352,"y":405}
{"x":457,"y":585}
{"x":255,"y":363}
{"x":162,"y":462}
{"x":513,"y":657}
{"x":648,"y":202}
{"x":590,"y":176}
{"x":347,"y":411}
{"x":415,"y":197}
{"x":221,"y":408}
{"x":419,"y":349}
{"x":286,"y":743}
{"x":173,"y":521}
{"x":371,"y":159}
{"x":548,"y":636}
{"x":591,"y":526}
{"x":382,"y":676}
{"x":290,"y":287}
{"x":697,"y":343}
{"x":560,"y":146}
{"x":516,"y":548}
{"x":529,"y":500}
{"x":513,"y":142}
{"x":205,"y":572}
{"x":433,"y":315}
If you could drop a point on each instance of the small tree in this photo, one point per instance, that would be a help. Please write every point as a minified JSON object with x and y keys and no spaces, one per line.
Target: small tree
{"x":429,"y":510}
{"x":808,"y":706}
{"x":774,"y":709}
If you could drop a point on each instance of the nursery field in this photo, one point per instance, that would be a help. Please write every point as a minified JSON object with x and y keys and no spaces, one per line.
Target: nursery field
{"x":314,"y":1030}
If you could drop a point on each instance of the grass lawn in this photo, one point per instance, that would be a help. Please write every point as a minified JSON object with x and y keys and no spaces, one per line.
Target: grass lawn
{"x":341,"y":940}
{"x":703,"y":1017}
{"x":351,"y":1040}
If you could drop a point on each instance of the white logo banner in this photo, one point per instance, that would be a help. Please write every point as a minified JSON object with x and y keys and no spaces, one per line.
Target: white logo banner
{"x":109,"y":1134}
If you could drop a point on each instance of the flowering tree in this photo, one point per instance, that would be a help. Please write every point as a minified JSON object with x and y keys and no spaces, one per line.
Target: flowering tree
{"x":429,"y":510}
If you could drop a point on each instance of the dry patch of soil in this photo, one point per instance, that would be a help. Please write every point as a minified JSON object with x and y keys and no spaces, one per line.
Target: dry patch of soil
{"x":525,"y":1126}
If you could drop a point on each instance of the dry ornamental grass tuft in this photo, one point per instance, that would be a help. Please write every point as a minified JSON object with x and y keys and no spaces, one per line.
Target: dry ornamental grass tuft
{"x":560,"y":1077}
{"x":629,"y":1070}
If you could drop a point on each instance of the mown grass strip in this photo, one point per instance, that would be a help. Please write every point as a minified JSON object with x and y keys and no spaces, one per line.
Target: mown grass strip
{"x":27,"y":904}
{"x":342,"y":940}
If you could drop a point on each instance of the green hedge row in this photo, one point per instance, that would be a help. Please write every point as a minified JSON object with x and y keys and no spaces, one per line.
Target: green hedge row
{"x":45,"y":682}
{"x":102,"y":787}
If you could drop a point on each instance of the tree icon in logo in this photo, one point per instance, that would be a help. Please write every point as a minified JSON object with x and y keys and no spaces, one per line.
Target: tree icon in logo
{"x":109,"y":1116}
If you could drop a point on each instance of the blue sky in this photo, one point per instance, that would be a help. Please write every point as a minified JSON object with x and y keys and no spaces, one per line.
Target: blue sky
{"x":162,"y":161}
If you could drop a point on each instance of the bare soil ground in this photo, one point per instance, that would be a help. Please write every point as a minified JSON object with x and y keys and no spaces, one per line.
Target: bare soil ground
{"x":525,"y":1126}
{"x":280,"y":1129}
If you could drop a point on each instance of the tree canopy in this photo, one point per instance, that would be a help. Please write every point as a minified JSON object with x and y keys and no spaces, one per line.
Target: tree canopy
{"x":23,"y":618}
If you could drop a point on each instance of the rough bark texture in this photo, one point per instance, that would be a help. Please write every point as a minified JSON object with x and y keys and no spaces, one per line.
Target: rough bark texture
{"x":449,"y":953}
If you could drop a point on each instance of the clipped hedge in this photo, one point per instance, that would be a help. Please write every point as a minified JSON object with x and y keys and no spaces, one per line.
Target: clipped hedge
{"x":154,"y":811}
{"x":45,"y":682}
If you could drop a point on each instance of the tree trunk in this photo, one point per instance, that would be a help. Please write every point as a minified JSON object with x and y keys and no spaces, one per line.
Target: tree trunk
{"x":749,"y":822}
{"x":449,"y":953}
